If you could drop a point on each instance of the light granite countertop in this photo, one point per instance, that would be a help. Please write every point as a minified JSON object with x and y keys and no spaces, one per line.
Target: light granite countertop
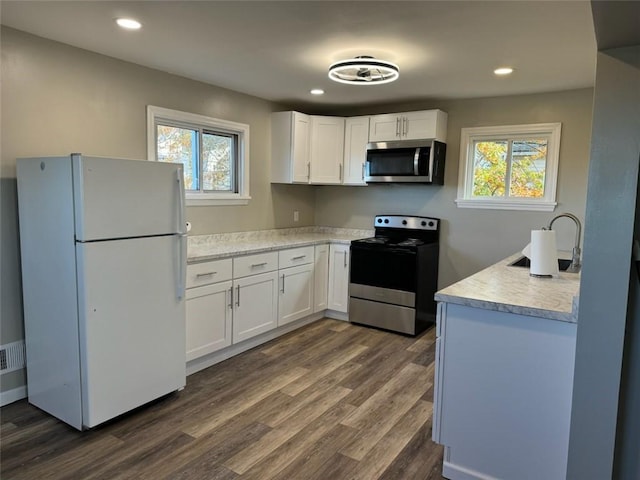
{"x":511,"y":289}
{"x":202,"y":248}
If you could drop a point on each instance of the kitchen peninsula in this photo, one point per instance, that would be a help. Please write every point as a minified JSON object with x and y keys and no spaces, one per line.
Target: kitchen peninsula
{"x":504,"y":373}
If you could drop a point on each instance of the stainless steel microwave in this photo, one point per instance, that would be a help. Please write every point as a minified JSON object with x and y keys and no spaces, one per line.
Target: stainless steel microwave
{"x":411,"y":161}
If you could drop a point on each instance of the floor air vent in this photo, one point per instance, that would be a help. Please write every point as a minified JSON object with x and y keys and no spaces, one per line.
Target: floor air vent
{"x":12,"y":356}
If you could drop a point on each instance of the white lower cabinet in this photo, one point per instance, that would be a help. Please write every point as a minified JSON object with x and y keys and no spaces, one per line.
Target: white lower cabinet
{"x":232,"y":300}
{"x":296,"y":293}
{"x":255,"y":305}
{"x":502,"y":394}
{"x":321,"y":278}
{"x":208,"y":319}
{"x":338,"y":278}
{"x":208,"y":300}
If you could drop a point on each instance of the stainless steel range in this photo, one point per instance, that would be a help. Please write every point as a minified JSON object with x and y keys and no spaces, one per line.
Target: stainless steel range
{"x":394,"y":274}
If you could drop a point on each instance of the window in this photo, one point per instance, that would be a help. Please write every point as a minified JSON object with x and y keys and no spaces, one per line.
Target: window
{"x":509,"y":167}
{"x":214,"y":154}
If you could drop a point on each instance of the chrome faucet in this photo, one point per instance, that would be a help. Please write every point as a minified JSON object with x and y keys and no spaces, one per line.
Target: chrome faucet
{"x":575,"y":257}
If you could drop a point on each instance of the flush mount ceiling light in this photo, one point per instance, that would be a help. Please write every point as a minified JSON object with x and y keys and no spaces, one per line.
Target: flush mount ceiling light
{"x":128,"y":23}
{"x":317,"y":91}
{"x":364,"y":70}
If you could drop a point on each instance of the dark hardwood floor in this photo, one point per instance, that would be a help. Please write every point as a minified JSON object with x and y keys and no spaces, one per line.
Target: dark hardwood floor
{"x":330,"y":401}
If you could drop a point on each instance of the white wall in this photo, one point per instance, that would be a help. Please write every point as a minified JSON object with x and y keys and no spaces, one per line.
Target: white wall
{"x":472,"y":239}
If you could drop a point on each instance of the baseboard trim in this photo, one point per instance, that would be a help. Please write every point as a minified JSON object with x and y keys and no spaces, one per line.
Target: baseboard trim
{"x":13,"y":395}
{"x":457,"y":472}
{"x":337,"y":315}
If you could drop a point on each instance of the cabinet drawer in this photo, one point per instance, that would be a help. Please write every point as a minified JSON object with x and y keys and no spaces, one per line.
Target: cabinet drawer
{"x":253,"y":264}
{"x":295,"y":256}
{"x":205,"y":273}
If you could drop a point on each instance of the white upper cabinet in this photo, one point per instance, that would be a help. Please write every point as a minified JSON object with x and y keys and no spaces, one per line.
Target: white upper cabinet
{"x":290,"y":147}
{"x":424,"y":124}
{"x":306,"y":148}
{"x":356,"y":136}
{"x":327,"y":146}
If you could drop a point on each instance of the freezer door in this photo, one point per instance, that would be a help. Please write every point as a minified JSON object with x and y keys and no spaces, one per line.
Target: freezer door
{"x":132,"y":324}
{"x":116,"y":198}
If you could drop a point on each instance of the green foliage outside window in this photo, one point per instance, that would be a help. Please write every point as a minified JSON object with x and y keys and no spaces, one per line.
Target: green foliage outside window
{"x":209,"y":167}
{"x":513,"y":168}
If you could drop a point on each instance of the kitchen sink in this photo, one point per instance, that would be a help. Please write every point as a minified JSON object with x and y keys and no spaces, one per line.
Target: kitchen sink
{"x":563,"y":263}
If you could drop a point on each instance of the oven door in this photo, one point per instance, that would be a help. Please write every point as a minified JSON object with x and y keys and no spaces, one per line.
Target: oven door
{"x":383,"y":267}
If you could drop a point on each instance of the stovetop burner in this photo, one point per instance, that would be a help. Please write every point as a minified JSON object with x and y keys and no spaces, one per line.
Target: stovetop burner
{"x":378,"y":240}
{"x":401,"y":231}
{"x":410,"y":242}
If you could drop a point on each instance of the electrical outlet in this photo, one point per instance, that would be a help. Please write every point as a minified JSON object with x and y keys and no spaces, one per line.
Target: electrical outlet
{"x":188,"y":226}
{"x":296,"y":215}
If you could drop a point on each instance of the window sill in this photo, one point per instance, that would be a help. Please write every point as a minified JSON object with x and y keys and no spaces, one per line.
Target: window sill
{"x":204,"y":200}
{"x":536,"y":206}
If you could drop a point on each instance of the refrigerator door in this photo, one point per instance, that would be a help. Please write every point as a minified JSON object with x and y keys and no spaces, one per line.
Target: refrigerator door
{"x":116,"y":198}
{"x":132,"y":324}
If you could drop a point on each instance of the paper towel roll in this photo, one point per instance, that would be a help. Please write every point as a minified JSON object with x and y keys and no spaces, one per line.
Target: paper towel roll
{"x":542,"y":252}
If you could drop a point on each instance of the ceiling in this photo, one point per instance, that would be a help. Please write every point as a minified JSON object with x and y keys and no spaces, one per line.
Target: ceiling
{"x":279,"y":50}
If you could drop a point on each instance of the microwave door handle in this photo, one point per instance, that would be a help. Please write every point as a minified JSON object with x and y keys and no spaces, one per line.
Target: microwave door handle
{"x":416,"y":162}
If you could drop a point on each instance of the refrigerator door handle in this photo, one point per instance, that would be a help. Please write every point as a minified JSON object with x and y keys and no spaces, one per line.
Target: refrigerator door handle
{"x":182,"y":265}
{"x":182,"y":236}
{"x":182,"y":226}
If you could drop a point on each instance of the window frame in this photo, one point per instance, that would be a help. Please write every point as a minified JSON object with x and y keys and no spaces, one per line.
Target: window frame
{"x":468,"y":136}
{"x":178,"y":118}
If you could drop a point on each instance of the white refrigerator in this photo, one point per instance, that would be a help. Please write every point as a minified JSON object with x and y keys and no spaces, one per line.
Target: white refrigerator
{"x":103,"y":252}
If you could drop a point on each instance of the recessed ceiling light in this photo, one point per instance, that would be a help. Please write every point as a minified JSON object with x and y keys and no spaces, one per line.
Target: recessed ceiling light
{"x":317,"y":91}
{"x":128,"y":23}
{"x":503,"y":71}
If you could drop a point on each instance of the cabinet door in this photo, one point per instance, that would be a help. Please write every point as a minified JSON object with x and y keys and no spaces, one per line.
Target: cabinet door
{"x":296,"y":293}
{"x":339,"y":278}
{"x":301,"y":125}
{"x":255,"y":307}
{"x":327,"y":149}
{"x":321,"y":278}
{"x":208,"y":319}
{"x":419,"y":125}
{"x":385,"y":127}
{"x":356,"y":136}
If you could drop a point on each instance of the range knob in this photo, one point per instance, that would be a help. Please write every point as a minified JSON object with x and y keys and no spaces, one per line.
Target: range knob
{"x":379,"y":220}
{"x":431,"y":224}
{"x":423,"y":223}
{"x":404,"y":222}
{"x":386,"y":220}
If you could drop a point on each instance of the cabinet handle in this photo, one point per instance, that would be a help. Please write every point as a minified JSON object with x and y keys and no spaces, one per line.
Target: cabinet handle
{"x":231,"y":297}
{"x":238,"y":297}
{"x":299,"y":257}
{"x":404,"y":126}
{"x":363,"y":172}
{"x":345,"y":259}
{"x":254,"y":265}
{"x":397,"y":126}
{"x":309,"y":170}
{"x":283,"y":283}
{"x":206,"y":274}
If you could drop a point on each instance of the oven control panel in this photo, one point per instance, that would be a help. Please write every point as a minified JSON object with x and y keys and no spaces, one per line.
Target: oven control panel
{"x":401,"y":221}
